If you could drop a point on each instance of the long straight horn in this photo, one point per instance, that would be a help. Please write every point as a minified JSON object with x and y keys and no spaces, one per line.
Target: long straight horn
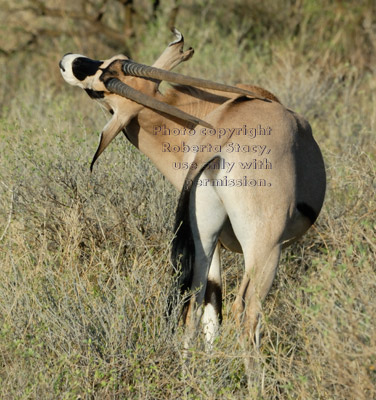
{"x":144,"y":71}
{"x":118,"y":87}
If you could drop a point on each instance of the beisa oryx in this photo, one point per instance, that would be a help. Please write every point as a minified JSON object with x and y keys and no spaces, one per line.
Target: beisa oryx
{"x":250,"y":173}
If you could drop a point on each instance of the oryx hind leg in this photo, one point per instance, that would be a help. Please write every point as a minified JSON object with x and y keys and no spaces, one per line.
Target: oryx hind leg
{"x":261,"y":262}
{"x":212,"y":316}
{"x":207,"y":218}
{"x":259,"y":233}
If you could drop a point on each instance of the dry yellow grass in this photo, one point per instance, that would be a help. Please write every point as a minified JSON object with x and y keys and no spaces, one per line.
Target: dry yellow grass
{"x":84,"y":258}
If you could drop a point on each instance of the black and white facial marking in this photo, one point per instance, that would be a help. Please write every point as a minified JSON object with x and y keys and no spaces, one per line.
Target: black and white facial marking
{"x":79,"y":70}
{"x":95,"y":94}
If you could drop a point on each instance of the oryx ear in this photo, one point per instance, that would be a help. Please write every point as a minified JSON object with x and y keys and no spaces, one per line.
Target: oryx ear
{"x":174,"y":54}
{"x":110,"y":131}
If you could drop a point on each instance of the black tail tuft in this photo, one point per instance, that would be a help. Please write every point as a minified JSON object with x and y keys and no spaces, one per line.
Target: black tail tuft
{"x":182,"y":253}
{"x":183,"y":247}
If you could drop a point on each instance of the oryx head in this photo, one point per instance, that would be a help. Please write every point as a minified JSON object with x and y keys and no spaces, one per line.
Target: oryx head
{"x":125,"y":86}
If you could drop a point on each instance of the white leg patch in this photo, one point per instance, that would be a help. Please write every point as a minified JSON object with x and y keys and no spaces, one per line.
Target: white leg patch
{"x":210,"y":323}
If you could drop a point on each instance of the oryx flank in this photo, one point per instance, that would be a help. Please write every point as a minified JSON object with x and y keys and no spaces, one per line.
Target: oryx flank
{"x":251,"y":175}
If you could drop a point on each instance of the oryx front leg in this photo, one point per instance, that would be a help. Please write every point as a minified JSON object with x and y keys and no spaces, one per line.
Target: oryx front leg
{"x":207,"y":218}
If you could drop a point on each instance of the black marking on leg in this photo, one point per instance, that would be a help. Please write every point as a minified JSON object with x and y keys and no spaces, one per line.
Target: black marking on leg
{"x":213,"y":296}
{"x":307,"y":211}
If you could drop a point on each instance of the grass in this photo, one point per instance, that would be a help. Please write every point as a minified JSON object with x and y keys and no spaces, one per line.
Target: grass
{"x":84,"y":258}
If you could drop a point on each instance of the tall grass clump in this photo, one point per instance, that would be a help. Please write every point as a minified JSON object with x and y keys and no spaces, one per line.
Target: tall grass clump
{"x":84,"y":258}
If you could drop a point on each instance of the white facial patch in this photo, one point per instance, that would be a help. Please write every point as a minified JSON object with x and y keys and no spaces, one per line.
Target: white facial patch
{"x":67,"y":72}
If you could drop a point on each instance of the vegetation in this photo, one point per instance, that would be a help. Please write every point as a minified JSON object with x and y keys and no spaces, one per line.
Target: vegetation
{"x":84,"y":258}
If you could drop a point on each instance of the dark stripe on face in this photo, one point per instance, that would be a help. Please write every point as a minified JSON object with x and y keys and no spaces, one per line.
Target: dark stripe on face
{"x":83,"y":67}
{"x":95,"y":94}
{"x":307,"y":211}
{"x":213,"y":295}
